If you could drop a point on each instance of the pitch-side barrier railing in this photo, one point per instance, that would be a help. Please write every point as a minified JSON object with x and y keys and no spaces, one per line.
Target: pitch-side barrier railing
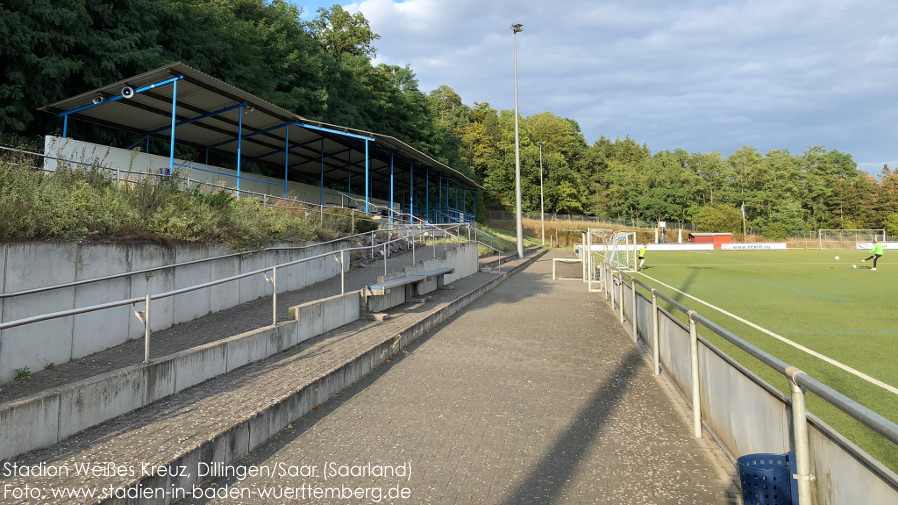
{"x":412,"y":236}
{"x":145,"y":315}
{"x":742,"y":412}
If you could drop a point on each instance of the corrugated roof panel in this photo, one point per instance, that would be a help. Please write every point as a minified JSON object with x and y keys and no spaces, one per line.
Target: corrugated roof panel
{"x":200,"y":93}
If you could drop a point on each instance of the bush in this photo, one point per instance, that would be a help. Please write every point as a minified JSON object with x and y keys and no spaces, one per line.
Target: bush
{"x":79,"y":204}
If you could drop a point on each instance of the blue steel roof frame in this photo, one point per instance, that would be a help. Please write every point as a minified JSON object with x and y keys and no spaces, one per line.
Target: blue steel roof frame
{"x":275,"y":144}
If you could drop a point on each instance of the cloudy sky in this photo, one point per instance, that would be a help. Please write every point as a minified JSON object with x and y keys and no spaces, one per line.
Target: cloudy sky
{"x":702,"y":75}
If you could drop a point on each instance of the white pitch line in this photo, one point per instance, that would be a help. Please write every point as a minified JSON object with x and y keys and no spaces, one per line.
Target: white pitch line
{"x":796,"y":345}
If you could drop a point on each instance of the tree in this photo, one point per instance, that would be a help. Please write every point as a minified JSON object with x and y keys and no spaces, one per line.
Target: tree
{"x":719,"y":218}
{"x":343,"y":33}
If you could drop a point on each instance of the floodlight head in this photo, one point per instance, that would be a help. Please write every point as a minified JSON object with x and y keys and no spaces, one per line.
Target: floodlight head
{"x":250,"y":108}
{"x":540,"y":143}
{"x":517,"y":27}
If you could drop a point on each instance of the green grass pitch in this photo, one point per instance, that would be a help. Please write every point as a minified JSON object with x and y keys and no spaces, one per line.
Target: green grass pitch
{"x":812,"y":299}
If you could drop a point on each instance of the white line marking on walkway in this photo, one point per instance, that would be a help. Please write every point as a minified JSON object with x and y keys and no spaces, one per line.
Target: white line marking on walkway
{"x":796,"y":345}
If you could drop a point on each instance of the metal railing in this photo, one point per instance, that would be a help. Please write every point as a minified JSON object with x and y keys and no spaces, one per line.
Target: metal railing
{"x":133,"y":177}
{"x":145,"y":315}
{"x":613,"y":282}
{"x":412,"y":235}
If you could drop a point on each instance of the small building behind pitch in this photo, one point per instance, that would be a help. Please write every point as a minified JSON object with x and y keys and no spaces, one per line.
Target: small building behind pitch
{"x":711,"y":238}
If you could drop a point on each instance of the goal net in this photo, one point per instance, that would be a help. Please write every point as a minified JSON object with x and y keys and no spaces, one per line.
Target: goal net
{"x":598,"y":241}
{"x":848,"y":239}
{"x":622,"y":251}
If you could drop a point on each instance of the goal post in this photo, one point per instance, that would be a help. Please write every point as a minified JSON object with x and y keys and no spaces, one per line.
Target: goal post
{"x":836,"y":238}
{"x":598,"y":241}
{"x":622,"y":251}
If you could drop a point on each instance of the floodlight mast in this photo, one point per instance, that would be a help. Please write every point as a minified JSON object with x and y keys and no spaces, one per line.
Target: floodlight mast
{"x":542,"y":200}
{"x":515,"y":28}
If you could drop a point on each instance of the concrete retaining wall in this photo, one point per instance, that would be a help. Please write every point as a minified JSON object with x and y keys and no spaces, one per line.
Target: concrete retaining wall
{"x":40,"y":421}
{"x":133,"y":162}
{"x":33,"y":265}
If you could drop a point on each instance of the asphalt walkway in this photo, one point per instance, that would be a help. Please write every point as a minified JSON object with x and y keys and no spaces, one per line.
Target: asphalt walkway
{"x":535,"y":394}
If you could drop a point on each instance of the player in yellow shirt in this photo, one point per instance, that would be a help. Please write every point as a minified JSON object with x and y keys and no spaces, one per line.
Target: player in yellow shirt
{"x":875,"y":253}
{"x":640,"y":255}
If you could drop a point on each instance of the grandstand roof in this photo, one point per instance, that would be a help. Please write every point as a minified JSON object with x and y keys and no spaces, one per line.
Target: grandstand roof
{"x":209,"y":115}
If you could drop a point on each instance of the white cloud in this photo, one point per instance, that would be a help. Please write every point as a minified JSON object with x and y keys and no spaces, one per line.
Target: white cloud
{"x":703,"y":75}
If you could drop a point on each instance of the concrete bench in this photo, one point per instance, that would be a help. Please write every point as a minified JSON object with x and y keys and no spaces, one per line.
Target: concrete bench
{"x":385,"y":294}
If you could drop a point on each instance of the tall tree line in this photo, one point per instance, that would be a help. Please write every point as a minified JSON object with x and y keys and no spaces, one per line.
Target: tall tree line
{"x":322,"y":69}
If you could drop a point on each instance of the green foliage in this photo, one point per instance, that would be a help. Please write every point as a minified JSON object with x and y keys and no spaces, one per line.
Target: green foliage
{"x":23,"y":374}
{"x":775,"y":231}
{"x":718,"y":219}
{"x":891,"y":225}
{"x":79,"y":204}
{"x":323,"y":69}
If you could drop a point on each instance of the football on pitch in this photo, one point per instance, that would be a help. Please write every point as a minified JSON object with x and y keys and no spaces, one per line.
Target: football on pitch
{"x":837,"y":257}
{"x":853,"y":266}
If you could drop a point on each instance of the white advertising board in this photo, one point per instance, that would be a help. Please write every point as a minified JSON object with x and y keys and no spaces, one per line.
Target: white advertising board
{"x":764,"y":246}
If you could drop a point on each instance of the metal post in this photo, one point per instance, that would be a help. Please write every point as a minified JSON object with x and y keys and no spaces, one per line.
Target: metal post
{"x":392,"y":202}
{"x":286,"y":156}
{"x":542,"y":205}
{"x":174,"y":108}
{"x":519,"y":225}
{"x":800,"y":435}
{"x":696,"y":398}
{"x":146,"y":330}
{"x":342,"y":278}
{"x":633,"y":310}
{"x":239,"y":145}
{"x":367,"y":179}
{"x":321,"y":186}
{"x":413,"y":246}
{"x":655,"y":333}
{"x":620,"y":296}
{"x":274,"y":296}
{"x":385,"y":257}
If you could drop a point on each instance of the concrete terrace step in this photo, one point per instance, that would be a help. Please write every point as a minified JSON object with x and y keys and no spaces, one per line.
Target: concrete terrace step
{"x":223,"y":419}
{"x":78,"y":395}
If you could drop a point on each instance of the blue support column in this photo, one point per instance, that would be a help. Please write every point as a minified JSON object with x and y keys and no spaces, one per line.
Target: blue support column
{"x":148,"y":145}
{"x":456,"y":201}
{"x":286,"y":156}
{"x":65,"y":125}
{"x":464,"y":204}
{"x":321,"y":200}
{"x":411,"y":193}
{"x":391,"y":190}
{"x":439,"y":218}
{"x":367,"y":178}
{"x":349,"y":181}
{"x":207,"y":156}
{"x":427,"y":194}
{"x":239,"y":145}
{"x":174,"y":120}
{"x":475,"y":207}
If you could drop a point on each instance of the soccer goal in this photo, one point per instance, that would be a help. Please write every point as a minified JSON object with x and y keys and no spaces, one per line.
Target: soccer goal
{"x":622,"y":251}
{"x":598,"y":245}
{"x":848,"y":239}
